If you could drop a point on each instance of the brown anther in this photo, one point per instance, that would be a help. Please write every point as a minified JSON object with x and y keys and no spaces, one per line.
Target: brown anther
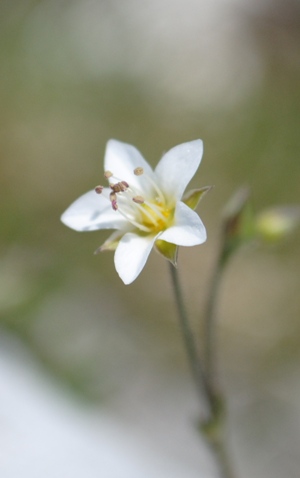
{"x":138,"y":171}
{"x":99,"y":189}
{"x":122,"y":187}
{"x":113,"y":199}
{"x":119,"y":187}
{"x":108,"y":174}
{"x":138,"y":199}
{"x":116,"y":188}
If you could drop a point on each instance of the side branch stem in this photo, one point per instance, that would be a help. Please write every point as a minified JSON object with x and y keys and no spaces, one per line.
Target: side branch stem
{"x":214,"y":429}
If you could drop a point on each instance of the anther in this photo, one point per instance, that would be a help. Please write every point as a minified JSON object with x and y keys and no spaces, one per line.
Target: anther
{"x":138,"y":171}
{"x":116,"y":188}
{"x":119,"y":187}
{"x":138,"y":199}
{"x":99,"y":189}
{"x":113,"y":200}
{"x":108,"y":174}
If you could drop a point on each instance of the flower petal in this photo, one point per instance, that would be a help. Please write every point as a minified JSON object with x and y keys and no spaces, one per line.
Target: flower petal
{"x":178,"y":166}
{"x":131,"y":255}
{"x":188,"y":229}
{"x":93,"y":211}
{"x":121,"y":159}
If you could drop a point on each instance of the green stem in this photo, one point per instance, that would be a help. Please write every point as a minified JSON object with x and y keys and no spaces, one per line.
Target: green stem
{"x":189,"y":340}
{"x":210,"y":355}
{"x":213,"y":431}
{"x":219,"y":451}
{"x":212,"y":428}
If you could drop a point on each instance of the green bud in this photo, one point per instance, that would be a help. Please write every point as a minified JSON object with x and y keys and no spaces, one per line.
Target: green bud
{"x":237,"y":222}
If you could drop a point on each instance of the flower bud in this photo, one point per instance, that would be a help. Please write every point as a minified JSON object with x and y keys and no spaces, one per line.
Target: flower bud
{"x":275,"y":224}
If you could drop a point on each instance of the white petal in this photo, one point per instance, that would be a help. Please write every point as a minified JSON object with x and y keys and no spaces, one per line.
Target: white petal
{"x":178,"y":166}
{"x":93,"y":211}
{"x":121,"y":159}
{"x":188,"y":229}
{"x":132,"y":254}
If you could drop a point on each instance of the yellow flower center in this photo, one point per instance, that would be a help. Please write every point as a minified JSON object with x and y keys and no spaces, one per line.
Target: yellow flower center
{"x":155,"y":216}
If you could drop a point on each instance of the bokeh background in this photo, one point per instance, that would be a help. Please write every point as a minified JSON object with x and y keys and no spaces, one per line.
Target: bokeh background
{"x":94,"y":379}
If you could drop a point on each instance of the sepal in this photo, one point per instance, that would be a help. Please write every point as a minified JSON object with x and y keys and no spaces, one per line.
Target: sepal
{"x":193,"y":197}
{"x":168,"y":250}
{"x":111,"y":243}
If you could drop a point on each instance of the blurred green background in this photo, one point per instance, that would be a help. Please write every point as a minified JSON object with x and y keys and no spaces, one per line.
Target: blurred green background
{"x":154,"y":74}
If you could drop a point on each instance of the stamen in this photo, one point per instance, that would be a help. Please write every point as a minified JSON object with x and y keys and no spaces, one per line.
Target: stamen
{"x":122,"y":187}
{"x":143,"y":214}
{"x":154,"y":185}
{"x":156,"y":209}
{"x":99,"y":189}
{"x":116,"y":188}
{"x":113,"y":199}
{"x":138,"y":171}
{"x":147,"y":213}
{"x":133,"y":222}
{"x":138,"y":199}
{"x":119,"y":187}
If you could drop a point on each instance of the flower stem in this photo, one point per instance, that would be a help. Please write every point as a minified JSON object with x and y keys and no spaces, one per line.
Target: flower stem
{"x":213,"y":431}
{"x":210,"y":355}
{"x":212,"y":428}
{"x":189,"y":340}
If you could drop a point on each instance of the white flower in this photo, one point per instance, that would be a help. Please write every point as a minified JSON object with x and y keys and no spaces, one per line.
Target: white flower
{"x":144,"y":206}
